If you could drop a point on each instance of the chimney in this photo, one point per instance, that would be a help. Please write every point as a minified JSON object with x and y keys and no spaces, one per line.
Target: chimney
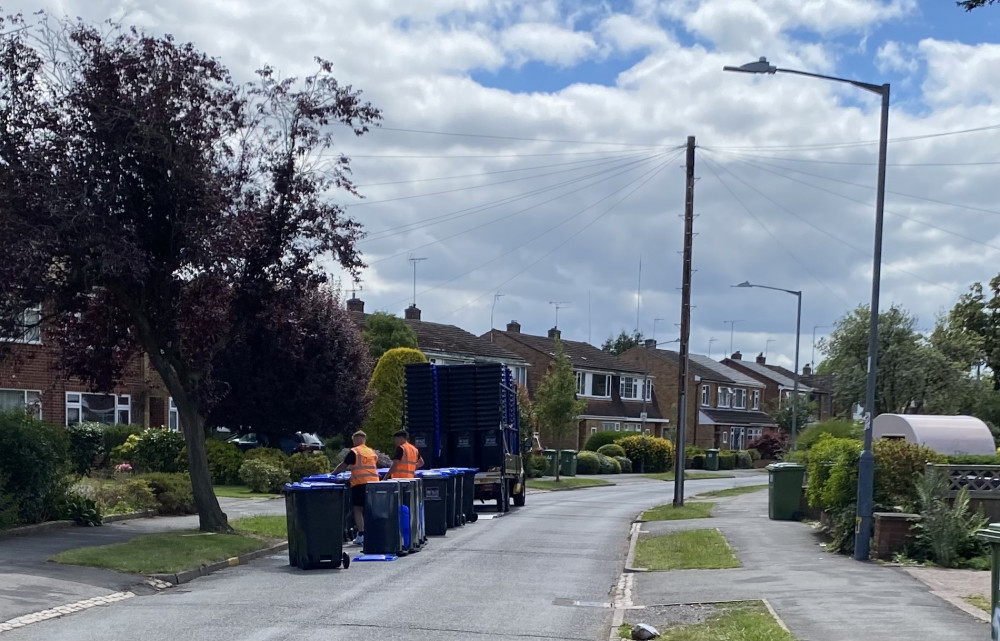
{"x":761,"y":359}
{"x":807,"y":370}
{"x":737,"y":356}
{"x":412,"y":313}
{"x":356,"y":305}
{"x":555,"y":333}
{"x":514,"y":327}
{"x":650,"y":343}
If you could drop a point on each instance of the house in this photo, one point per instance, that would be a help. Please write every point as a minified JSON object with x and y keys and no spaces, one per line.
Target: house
{"x":620,"y":395}
{"x":724,"y":405}
{"x":31,"y":378}
{"x":448,"y":344}
{"x":779,"y":383}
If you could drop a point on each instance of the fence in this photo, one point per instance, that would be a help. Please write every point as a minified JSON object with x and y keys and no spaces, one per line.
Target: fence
{"x":982,"y":482}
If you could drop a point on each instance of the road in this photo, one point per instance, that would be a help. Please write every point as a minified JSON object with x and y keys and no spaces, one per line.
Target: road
{"x":515,"y":577}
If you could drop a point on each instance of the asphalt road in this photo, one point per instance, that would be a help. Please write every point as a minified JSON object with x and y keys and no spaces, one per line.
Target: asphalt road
{"x":515,"y":577}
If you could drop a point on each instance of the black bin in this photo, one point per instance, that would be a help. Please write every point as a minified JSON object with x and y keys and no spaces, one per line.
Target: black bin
{"x":468,"y":481}
{"x":382,"y":535}
{"x":435,"y":503}
{"x":315,"y":519}
{"x":490,"y":449}
{"x":410,"y":498}
{"x":451,"y":506}
{"x":462,"y":448}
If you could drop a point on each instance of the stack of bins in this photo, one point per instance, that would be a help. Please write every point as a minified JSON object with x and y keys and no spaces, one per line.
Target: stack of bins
{"x":457,"y":384}
{"x":422,"y":420}
{"x":490,"y":454}
{"x":315,"y":521}
{"x":409,"y":498}
{"x":382,"y":531}
{"x":435,"y":488}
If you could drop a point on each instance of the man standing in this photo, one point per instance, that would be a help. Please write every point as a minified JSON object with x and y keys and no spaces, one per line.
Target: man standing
{"x":406,"y":460}
{"x":363,"y":463}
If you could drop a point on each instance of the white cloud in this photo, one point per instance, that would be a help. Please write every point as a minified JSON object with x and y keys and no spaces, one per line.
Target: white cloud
{"x":896,"y":57}
{"x":548,"y":43}
{"x":961,"y":74}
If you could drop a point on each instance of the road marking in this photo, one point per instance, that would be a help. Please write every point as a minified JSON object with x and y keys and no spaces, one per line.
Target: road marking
{"x":63,"y":610}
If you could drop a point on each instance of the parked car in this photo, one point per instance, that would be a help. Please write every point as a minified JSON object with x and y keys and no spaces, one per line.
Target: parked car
{"x":298,"y":442}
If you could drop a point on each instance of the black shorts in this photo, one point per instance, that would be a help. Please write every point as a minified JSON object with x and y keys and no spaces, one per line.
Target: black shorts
{"x":358,"y":493}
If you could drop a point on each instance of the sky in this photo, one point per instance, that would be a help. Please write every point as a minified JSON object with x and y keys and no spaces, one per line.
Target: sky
{"x":534,"y":149}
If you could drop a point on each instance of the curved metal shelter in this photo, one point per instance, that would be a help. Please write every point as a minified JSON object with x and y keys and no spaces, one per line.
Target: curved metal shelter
{"x":944,"y":434}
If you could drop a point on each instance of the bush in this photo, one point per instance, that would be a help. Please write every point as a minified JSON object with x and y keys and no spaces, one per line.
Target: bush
{"x":261,"y":476}
{"x":754,"y":455}
{"x":172,"y":491}
{"x":303,"y":464}
{"x":974,"y":459}
{"x":86,"y":446}
{"x":625,"y":464}
{"x":224,"y":461}
{"x":116,"y":435}
{"x":945,"y":531}
{"x":611,"y":449}
{"x":82,"y":511}
{"x":727,"y":460}
{"x":34,"y":460}
{"x":588,"y":463}
{"x":117,"y":496}
{"x":604,"y":437}
{"x":768,"y":446}
{"x":156,"y":450}
{"x":333,"y":443}
{"x":743,"y":460}
{"x":837,"y":428}
{"x":650,"y":454}
{"x":608,"y":464}
{"x":833,"y":473}
{"x":8,"y":507}
{"x":691,"y":451}
{"x":268,"y":455}
{"x":537,"y":465}
{"x":897,"y":464}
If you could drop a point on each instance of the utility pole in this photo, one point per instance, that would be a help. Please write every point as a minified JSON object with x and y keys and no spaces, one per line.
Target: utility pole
{"x":682,"y":396}
{"x":638,"y":296}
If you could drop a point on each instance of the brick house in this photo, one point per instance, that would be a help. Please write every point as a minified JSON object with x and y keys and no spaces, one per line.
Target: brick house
{"x":620,"y":395}
{"x":780,"y":382}
{"x":31,"y":378}
{"x":724,"y":405}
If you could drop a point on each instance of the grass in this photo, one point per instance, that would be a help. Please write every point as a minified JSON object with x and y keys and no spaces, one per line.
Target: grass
{"x":687,"y":511}
{"x":565,"y":483}
{"x":690,"y":475}
{"x":240,"y":492}
{"x":167,"y":552}
{"x":733,"y":491}
{"x":981,"y":602}
{"x":686,"y":550}
{"x":271,"y":526}
{"x":747,"y":621}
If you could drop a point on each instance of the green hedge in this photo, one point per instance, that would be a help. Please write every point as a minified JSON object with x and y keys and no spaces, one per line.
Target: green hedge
{"x":588,"y":463}
{"x":605,"y":437}
{"x":649,"y":454}
{"x":611,"y":449}
{"x":172,"y":491}
{"x":34,"y":464}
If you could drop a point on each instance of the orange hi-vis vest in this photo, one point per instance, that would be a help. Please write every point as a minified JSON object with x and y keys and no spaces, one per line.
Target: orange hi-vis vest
{"x":407,"y":466}
{"x":365,"y":468}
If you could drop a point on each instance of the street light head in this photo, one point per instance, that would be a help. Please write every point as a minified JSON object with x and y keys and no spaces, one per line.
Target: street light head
{"x":759,"y":66}
{"x":745,"y":283}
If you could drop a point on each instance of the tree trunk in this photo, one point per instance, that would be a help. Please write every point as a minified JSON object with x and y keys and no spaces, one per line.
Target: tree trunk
{"x":559,"y":440}
{"x":211,"y":518}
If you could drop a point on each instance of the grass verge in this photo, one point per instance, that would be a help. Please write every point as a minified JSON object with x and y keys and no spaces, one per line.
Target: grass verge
{"x":269,"y":526}
{"x":690,"y":475}
{"x":166,"y":552}
{"x":687,"y":511}
{"x":746,"y":621}
{"x":565,"y":483}
{"x":240,"y":492}
{"x":686,"y":550}
{"x":733,"y":491}
{"x":981,"y":602}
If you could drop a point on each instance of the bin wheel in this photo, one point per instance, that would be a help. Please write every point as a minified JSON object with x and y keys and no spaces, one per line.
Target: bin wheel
{"x":473,"y":518}
{"x":345,"y":560}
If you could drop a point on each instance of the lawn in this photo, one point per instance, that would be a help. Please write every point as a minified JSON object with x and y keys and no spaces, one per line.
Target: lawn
{"x":690,"y":475}
{"x":981,"y":602}
{"x":747,"y":621}
{"x":565,"y":483}
{"x":686,"y":550}
{"x":270,"y":526}
{"x":687,"y":511}
{"x":732,"y":491}
{"x":163,"y":553}
{"x":240,"y":492}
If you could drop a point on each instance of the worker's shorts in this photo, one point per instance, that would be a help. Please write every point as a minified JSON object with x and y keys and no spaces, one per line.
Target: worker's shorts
{"x":358,"y":493}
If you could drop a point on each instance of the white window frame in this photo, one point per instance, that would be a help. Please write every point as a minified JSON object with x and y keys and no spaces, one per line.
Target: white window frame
{"x":724,"y":397}
{"x":633,"y":427}
{"x":593,"y":430}
{"x":585,"y":384}
{"x":647,"y":389}
{"x":739,"y":398}
{"x":629,"y":384}
{"x":610,"y":426}
{"x":30,"y":317}
{"x":173,"y":416}
{"x":520,"y":374}
{"x":28,"y":404}
{"x":754,"y":433}
{"x":581,"y":384}
{"x":706,"y":396}
{"x":755,"y":399}
{"x":123,"y":403}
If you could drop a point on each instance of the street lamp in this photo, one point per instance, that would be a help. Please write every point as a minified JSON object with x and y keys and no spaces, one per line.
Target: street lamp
{"x":866,"y":465}
{"x":798,"y":329}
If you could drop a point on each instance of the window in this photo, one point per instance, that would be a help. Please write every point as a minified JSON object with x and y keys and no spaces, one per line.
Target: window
{"x":174,"y":418}
{"x":519,"y":374}
{"x":706,"y":395}
{"x":725,"y":395}
{"x":755,"y":399}
{"x":99,"y":408}
{"x":600,"y":385}
{"x":753,"y":433}
{"x":740,"y":399}
{"x":736,"y":438}
{"x":21,"y":400}
{"x":581,"y":384}
{"x":629,"y":388}
{"x":647,"y":389}
{"x":633,"y":427}
{"x":611,"y":426}
{"x":30,"y":330}
{"x":593,"y":430}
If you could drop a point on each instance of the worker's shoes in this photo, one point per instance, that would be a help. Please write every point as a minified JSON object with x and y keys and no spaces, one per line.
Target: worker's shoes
{"x":359,"y":539}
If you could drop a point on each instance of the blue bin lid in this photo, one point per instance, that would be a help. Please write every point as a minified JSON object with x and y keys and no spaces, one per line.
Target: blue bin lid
{"x":320,"y":478}
{"x":305,"y":485}
{"x":432,"y":475}
{"x":382,"y":470}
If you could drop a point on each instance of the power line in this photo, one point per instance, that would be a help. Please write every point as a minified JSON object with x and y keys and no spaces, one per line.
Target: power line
{"x":817,"y":161}
{"x":496,"y":137}
{"x":495,"y":155}
{"x":858,"y":143}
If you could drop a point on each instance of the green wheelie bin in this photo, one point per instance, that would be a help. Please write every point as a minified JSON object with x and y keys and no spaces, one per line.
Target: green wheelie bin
{"x":784,"y":490}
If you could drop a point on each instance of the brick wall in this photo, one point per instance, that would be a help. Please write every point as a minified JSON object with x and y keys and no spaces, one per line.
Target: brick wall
{"x":667,"y":377}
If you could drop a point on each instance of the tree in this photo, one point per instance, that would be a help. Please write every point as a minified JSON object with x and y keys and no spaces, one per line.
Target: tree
{"x":384,"y":331}
{"x":623,"y":343}
{"x":783,"y":412}
{"x":972,"y":328}
{"x":300,"y":366}
{"x":152,"y":204}
{"x":527,"y":419}
{"x":387,"y":389}
{"x":969,"y":5}
{"x":556,"y":405}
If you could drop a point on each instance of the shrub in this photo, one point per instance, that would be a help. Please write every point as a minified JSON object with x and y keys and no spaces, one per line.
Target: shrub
{"x":691,"y":451}
{"x":224,"y":461}
{"x":625,"y":464}
{"x":754,"y":455}
{"x":604,"y":437}
{"x":172,"y":491}
{"x":833,"y":473}
{"x":837,"y":428}
{"x":743,"y":460}
{"x":268,"y":455}
{"x":123,"y":453}
{"x":537,"y":465}
{"x":86,"y":446}
{"x":944,"y":530}
{"x":82,"y":511}
{"x":611,"y":449}
{"x":387,"y":388}
{"x":974,"y":459}
{"x":897,"y":464}
{"x":156,"y":450}
{"x":261,"y":476}
{"x":768,"y":446}
{"x":8,"y":507}
{"x":34,"y":460}
{"x":727,"y":460}
{"x":588,"y":463}
{"x":303,"y":464}
{"x":650,"y":454}
{"x":608,"y":464}
{"x":334,"y":443}
{"x":116,"y":435}
{"x":117,"y":496}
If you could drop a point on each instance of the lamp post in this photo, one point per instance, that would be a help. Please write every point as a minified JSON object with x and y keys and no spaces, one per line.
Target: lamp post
{"x":798,"y":330}
{"x":866,"y":465}
{"x":732,"y":330}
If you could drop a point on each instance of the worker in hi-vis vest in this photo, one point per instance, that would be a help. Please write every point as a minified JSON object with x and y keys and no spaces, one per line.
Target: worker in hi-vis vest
{"x":363,"y":463}
{"x":406,"y":460}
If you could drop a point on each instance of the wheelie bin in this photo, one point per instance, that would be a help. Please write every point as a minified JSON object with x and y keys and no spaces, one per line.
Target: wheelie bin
{"x":553,"y":458}
{"x":451,"y":484}
{"x":567,"y":463}
{"x":712,"y":459}
{"x":435,"y":503}
{"x":784,"y":490}
{"x":408,"y":492}
{"x":469,"y":493}
{"x":382,"y":522}
{"x":459,"y":518}
{"x":315,"y":521}
{"x":350,"y":529}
